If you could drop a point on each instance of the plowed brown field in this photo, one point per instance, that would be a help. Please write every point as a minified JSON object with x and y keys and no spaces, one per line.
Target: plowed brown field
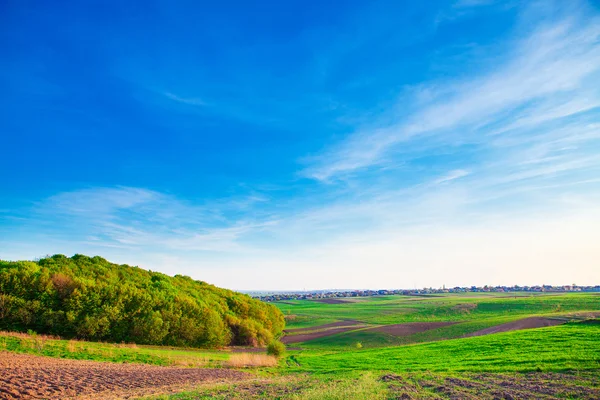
{"x":33,"y":377}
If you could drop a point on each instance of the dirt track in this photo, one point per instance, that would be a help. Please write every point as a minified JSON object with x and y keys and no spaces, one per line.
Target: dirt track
{"x":33,"y":377}
{"x":410,"y":328}
{"x":525,"y":323}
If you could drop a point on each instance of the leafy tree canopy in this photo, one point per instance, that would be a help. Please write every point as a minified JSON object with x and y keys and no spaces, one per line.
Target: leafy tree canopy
{"x":92,"y":299}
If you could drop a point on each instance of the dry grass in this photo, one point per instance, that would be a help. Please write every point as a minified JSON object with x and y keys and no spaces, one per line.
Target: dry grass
{"x":72,"y":346}
{"x":465,"y":308}
{"x":191,"y":362}
{"x":244,"y":360}
{"x":32,"y":340}
{"x":23,"y":335}
{"x":127,"y":345}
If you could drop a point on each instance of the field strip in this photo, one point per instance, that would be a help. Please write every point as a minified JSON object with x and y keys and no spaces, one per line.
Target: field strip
{"x":338,"y":324}
{"x":532,"y":323}
{"x":525,"y":323}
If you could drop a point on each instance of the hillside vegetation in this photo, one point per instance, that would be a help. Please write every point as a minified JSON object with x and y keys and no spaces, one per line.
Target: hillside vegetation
{"x":90,"y":298}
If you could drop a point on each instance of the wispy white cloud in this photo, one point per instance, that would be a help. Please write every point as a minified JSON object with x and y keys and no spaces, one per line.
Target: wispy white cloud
{"x":492,"y":172}
{"x":558,"y":60}
{"x":452,"y":175}
{"x":136,"y":218}
{"x":192,"y":101}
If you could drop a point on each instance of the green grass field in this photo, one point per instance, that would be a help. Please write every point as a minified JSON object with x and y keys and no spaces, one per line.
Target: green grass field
{"x":450,"y":307}
{"x":563,"y":360}
{"x":573,"y":346}
{"x":470,"y":313}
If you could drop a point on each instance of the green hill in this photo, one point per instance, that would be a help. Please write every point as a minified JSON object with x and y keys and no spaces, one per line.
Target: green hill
{"x":93,"y":299}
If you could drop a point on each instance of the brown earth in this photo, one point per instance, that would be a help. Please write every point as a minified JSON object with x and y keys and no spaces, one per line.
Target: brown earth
{"x":525,"y":323}
{"x":582,"y":315}
{"x":465,"y":307}
{"x":495,"y":386}
{"x":410,"y":328}
{"x":25,"y":376}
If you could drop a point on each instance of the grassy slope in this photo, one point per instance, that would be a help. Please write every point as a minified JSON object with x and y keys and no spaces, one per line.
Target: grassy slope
{"x":398,"y":309}
{"x":485,"y":310}
{"x":573,"y":346}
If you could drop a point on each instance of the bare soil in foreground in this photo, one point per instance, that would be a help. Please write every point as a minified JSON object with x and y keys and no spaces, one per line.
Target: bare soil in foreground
{"x":496,"y":386}
{"x":25,"y":376}
{"x":410,"y":328}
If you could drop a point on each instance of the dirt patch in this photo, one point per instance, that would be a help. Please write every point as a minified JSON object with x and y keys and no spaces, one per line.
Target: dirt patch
{"x":410,"y":328}
{"x":582,"y":315}
{"x":332,"y":301}
{"x":465,"y":307}
{"x":256,"y":349}
{"x":25,"y":376}
{"x":248,"y":349}
{"x":526,"y":323}
{"x":495,"y":386}
{"x":347,"y":322}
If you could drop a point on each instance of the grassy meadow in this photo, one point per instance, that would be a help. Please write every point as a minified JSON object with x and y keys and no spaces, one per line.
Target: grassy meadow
{"x":383,"y":310}
{"x":573,"y":346}
{"x":469,"y":313}
{"x":360,"y":362}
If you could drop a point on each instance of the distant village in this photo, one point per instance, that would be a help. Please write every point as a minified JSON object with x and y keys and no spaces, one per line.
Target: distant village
{"x":332,"y":294}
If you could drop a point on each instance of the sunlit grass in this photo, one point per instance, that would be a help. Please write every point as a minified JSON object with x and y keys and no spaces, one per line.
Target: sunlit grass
{"x":560,"y":348}
{"x":114,"y":352}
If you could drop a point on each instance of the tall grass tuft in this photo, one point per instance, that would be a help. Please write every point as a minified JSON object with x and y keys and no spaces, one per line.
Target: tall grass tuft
{"x":245,"y":360}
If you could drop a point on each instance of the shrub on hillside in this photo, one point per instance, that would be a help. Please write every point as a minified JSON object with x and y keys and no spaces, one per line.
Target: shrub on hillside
{"x":89,"y":298}
{"x":276,"y":348}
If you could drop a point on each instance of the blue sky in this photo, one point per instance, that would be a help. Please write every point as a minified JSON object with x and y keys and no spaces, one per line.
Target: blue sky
{"x":292,"y":145}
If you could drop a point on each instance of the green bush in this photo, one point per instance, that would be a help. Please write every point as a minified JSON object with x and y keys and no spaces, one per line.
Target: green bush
{"x":90,"y":298}
{"x":276,"y":348}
